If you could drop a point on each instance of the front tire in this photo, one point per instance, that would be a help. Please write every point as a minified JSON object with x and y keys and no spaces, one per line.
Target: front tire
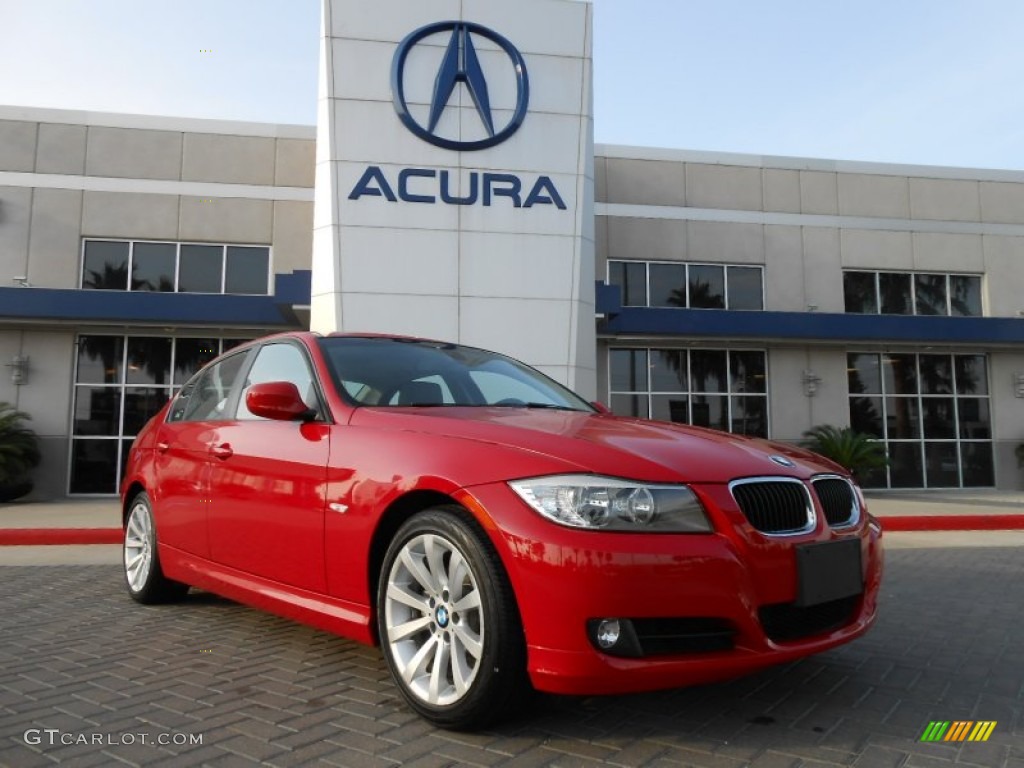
{"x":448,"y":622}
{"x":143,"y":576}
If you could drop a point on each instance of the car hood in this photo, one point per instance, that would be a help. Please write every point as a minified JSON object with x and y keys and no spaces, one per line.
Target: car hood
{"x":604,"y":444}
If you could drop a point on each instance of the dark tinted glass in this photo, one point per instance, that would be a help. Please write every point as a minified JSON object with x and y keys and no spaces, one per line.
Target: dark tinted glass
{"x":106,"y":265}
{"x":859,"y":292}
{"x":905,"y":469}
{"x":965,"y":295}
{"x":149,"y":360}
{"x":97,"y":411}
{"x":668,"y":371}
{"x":900,"y":374}
{"x":750,"y":416}
{"x":942,"y":466}
{"x":670,"y":408}
{"x":865,"y":374}
{"x":977,"y":465}
{"x":709,"y":411}
{"x":866,"y":415}
{"x":895,"y":291}
{"x":140,"y":405}
{"x":974,"y":418}
{"x":190,"y":355}
{"x":930,"y":294}
{"x":668,"y":285}
{"x":100,"y":359}
{"x":629,"y":370}
{"x":707,"y":287}
{"x":94,"y":466}
{"x":707,"y":371}
{"x":247,"y":270}
{"x":200,"y":268}
{"x":903,"y":418}
{"x":747,"y":372}
{"x":939,"y":418}
{"x":745,"y":288}
{"x":153,"y":266}
{"x":936,"y":374}
{"x":971,"y":375}
{"x":630,"y":405}
{"x":631,"y":277}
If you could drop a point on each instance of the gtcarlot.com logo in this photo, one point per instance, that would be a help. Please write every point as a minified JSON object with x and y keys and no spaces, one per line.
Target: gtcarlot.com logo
{"x":53,"y":737}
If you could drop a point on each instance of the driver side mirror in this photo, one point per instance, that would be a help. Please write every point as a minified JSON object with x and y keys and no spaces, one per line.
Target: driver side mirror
{"x":279,"y":401}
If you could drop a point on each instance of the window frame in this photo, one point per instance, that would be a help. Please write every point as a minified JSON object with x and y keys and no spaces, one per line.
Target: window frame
{"x":177,"y":265}
{"x":913,"y":275}
{"x":724,"y":266}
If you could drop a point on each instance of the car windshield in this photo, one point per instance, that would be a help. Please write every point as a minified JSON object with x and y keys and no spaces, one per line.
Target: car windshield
{"x":410,"y":372}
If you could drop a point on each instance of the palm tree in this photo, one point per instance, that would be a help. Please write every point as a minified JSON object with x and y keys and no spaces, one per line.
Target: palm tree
{"x":857,"y":452}
{"x":19,"y":453}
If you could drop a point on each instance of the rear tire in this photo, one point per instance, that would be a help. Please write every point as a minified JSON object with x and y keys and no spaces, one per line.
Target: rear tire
{"x":143,"y":576}
{"x":448,"y":622}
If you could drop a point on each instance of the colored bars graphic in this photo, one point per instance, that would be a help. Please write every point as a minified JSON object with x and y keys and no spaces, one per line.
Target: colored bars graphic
{"x":959,"y":730}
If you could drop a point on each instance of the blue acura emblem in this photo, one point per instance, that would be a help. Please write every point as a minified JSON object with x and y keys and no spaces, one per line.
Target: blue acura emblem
{"x":460,"y":65}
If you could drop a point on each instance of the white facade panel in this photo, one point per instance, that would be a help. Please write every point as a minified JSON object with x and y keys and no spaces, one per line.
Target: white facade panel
{"x":469,"y":188}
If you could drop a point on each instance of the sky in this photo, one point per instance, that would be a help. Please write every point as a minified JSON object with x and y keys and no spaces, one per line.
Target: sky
{"x":934,"y":82}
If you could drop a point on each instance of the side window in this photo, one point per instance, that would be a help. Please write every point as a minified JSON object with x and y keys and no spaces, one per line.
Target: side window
{"x":280,"y":362}
{"x":205,"y":398}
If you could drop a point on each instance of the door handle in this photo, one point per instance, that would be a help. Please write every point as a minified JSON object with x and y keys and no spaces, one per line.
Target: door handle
{"x":163,"y":447}
{"x":222,"y":451}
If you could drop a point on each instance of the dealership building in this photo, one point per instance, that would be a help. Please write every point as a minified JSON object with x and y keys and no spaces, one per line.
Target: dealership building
{"x":451,"y":189}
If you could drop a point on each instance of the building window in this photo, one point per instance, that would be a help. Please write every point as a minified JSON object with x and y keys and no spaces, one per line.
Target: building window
{"x":912,"y":293}
{"x":175,"y":267}
{"x":931,"y":411}
{"x":717,"y":388}
{"x":693,"y":286}
{"x":120,"y":383}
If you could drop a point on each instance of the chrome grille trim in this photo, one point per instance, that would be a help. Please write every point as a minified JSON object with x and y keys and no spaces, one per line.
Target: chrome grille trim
{"x":767,"y":496}
{"x":830,"y":500}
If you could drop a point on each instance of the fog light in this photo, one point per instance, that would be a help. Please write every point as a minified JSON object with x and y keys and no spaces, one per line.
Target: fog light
{"x":608,"y":631}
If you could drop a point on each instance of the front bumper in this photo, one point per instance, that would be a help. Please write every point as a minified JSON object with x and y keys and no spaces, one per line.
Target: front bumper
{"x":564,"y":578}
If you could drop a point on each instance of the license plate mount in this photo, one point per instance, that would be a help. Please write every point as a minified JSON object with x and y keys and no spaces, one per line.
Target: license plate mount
{"x":828,"y":571}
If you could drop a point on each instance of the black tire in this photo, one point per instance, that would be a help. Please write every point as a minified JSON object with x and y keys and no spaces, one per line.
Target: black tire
{"x":498,"y":683}
{"x":146,"y":583}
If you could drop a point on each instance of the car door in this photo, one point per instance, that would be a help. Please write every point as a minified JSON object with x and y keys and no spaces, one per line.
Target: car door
{"x":267,"y":480}
{"x":181,"y":494}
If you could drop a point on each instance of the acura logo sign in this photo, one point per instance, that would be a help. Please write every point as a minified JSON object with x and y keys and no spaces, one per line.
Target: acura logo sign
{"x":461,"y":64}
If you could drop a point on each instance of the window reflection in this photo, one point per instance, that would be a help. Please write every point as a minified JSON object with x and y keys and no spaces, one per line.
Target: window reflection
{"x":904,"y":293}
{"x":930,"y":406}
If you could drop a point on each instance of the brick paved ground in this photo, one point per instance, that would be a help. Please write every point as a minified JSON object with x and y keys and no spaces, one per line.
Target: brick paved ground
{"x":77,"y":655}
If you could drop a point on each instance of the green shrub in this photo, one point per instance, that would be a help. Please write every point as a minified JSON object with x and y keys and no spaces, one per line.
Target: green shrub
{"x":859,"y":453}
{"x":19,"y":452}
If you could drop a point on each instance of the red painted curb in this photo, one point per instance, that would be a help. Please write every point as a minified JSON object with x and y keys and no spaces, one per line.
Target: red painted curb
{"x":952,"y":522}
{"x":30,"y":536}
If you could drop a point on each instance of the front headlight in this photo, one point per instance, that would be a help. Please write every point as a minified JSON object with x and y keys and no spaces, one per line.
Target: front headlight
{"x":610,"y":504}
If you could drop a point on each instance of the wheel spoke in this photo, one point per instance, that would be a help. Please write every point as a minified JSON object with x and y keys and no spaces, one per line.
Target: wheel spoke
{"x":457,"y":569}
{"x":460,"y":671}
{"x":470,"y":640}
{"x":419,"y":660}
{"x":467,"y":603}
{"x":417,"y":571}
{"x":435,"y":561}
{"x":439,"y":673}
{"x":133,"y":564}
{"x":403,"y":631}
{"x":401,"y":594}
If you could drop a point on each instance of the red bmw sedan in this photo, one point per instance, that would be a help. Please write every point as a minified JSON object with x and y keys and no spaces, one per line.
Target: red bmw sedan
{"x":490,"y":529}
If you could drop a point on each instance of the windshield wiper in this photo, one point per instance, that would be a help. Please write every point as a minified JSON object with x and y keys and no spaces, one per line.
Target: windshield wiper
{"x":547,"y":406}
